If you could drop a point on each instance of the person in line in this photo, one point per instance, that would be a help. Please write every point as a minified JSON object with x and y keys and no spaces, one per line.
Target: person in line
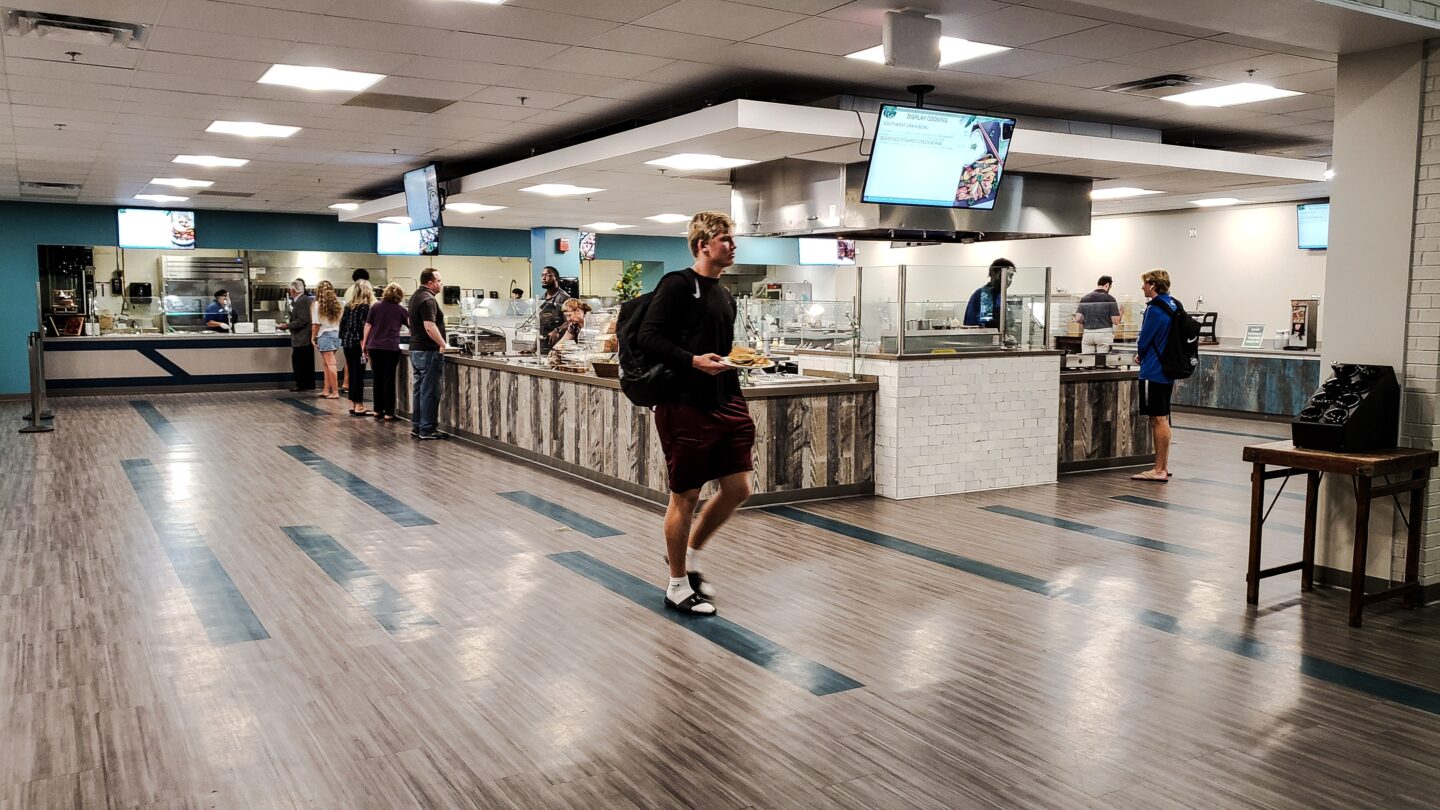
{"x":518,"y":306}
{"x":983,"y":309}
{"x":1099,"y":314}
{"x":360,"y":274}
{"x":380,"y":343}
{"x":1155,"y":387}
{"x":325,"y":331}
{"x":302,"y":344}
{"x":706,"y":433}
{"x":358,"y":300}
{"x":550,"y":313}
{"x":218,"y":316}
{"x":575,"y":311}
{"x":427,"y":344}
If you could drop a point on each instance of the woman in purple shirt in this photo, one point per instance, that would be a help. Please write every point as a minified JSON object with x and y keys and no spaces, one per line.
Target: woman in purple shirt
{"x":381,"y":345}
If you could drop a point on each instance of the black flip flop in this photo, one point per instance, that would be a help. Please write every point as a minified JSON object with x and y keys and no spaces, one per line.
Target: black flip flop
{"x":688,"y":606}
{"x":699,"y":585}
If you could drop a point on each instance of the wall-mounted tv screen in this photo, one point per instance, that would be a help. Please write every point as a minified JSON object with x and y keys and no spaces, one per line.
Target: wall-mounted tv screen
{"x":422,"y":198}
{"x":587,"y":245}
{"x":937,"y":159}
{"x":395,"y":239}
{"x":1313,"y":225}
{"x":153,"y":228}
{"x":827,"y":251}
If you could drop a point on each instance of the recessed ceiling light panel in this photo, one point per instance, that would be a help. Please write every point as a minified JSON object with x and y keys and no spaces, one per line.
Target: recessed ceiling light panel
{"x":1216,"y":202}
{"x":605,"y":226}
{"x":181,"y":182}
{"x":691,"y":162}
{"x":668,"y":219}
{"x":1120,"y":193}
{"x":319,"y":78}
{"x":396,"y":220}
{"x":345,"y":206}
{"x":1231,"y":94}
{"x":211,"y":161}
{"x":160,"y":198}
{"x":252,"y":129}
{"x":472,"y":208}
{"x":560,"y":189}
{"x":952,"y":50}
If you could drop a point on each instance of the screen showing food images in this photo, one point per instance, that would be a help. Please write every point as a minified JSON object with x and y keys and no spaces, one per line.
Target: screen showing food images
{"x":587,"y":245}
{"x":937,"y":159}
{"x":396,"y":239}
{"x":1313,"y":224}
{"x":153,"y":228}
{"x":827,"y":251}
{"x":422,"y":198}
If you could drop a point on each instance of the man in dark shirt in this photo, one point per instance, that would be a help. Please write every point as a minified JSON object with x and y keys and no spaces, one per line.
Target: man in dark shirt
{"x":302,"y":346}
{"x":427,"y":344}
{"x":706,"y":432}
{"x":550,"y":310}
{"x":1100,"y":314}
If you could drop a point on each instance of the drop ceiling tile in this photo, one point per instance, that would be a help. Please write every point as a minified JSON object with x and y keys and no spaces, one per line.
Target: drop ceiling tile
{"x":559,"y":82}
{"x":1094,"y":74}
{"x":456,"y":70}
{"x":1017,"y":63}
{"x":1139,"y":20}
{"x":221,"y":45}
{"x":423,"y":88}
{"x":1271,"y":68}
{"x":694,"y":74}
{"x":365,"y":34}
{"x":1318,"y":81}
{"x":560,"y":119}
{"x":872,"y":12}
{"x":719,"y":18}
{"x":190,"y":84}
{"x":623,"y":11}
{"x":304,"y":53}
{"x":510,"y":96}
{"x":1018,"y":25}
{"x":658,"y":42}
{"x":204,"y":15}
{"x":65,"y":71}
{"x":496,"y":50}
{"x":487,"y":112}
{"x":1189,"y":56}
{"x":1107,"y":41}
{"x":596,"y":62}
{"x":203,"y":66}
{"x":60,"y":52}
{"x":823,"y":35}
{"x":1293,"y":104}
{"x":637,"y":91}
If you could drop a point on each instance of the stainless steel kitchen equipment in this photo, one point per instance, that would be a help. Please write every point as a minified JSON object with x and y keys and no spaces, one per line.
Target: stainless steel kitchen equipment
{"x":188,"y":285}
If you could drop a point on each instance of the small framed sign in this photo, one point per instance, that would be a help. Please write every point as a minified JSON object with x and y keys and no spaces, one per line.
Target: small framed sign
{"x":1254,"y":336}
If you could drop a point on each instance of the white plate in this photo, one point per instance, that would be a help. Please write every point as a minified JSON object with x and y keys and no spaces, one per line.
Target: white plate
{"x":766,"y":364}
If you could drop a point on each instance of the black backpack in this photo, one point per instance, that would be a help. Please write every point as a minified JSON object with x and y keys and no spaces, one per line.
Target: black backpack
{"x":1181,"y":356}
{"x":644,"y":381}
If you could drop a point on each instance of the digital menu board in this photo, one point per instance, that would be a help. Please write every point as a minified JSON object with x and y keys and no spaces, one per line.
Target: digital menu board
{"x":937,"y":159}
{"x":154,"y":228}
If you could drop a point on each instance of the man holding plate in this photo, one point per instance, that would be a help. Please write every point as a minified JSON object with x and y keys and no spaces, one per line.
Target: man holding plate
{"x":705,"y":429}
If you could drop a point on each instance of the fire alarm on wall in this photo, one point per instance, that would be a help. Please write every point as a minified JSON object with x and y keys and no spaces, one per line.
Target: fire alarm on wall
{"x":562,"y":245}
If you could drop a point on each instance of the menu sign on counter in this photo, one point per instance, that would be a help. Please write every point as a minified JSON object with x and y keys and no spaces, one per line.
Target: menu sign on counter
{"x":1254,"y":336}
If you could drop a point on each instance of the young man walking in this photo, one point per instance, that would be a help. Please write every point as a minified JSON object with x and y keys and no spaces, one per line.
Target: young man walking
{"x":706,"y":431}
{"x":1155,"y":387}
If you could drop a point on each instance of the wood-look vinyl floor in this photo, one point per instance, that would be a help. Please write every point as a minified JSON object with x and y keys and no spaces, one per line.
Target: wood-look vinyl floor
{"x":536,"y":687}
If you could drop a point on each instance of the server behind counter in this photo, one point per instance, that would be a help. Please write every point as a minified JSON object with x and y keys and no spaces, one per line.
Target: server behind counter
{"x":218,"y":315}
{"x":550,"y":313}
{"x":1099,"y":314}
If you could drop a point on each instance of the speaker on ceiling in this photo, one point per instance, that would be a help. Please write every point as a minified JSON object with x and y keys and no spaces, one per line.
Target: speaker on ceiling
{"x":911,"y":40}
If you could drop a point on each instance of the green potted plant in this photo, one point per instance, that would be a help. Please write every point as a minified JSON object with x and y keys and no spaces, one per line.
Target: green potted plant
{"x":629,"y":285}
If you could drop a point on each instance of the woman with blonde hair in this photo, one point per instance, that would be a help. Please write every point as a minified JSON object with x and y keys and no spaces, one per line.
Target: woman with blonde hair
{"x":381,"y":343}
{"x":325,"y":316}
{"x":352,"y":333}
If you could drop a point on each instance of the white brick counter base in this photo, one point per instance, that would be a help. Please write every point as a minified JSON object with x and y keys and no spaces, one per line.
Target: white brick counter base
{"x":961,"y":424}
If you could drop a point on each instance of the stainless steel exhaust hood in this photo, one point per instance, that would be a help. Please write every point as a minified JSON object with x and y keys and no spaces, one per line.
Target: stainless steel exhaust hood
{"x":791,"y":197}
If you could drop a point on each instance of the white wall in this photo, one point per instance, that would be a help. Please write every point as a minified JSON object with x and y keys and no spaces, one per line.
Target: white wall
{"x":826,"y":283}
{"x":1242,"y":260}
{"x":467,"y":272}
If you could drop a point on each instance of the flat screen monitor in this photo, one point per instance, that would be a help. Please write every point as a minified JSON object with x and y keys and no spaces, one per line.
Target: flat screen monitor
{"x":1313,"y":224}
{"x":587,"y":245}
{"x":937,"y":159}
{"x":827,"y":251}
{"x":422,"y":198}
{"x":153,"y":228}
{"x":395,"y":239}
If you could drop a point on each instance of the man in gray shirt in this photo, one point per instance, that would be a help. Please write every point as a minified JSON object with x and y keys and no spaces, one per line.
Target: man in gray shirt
{"x":302,"y":349}
{"x":1100,"y":314}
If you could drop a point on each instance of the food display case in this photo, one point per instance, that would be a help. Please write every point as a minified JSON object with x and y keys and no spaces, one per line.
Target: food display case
{"x":188,"y":285}
{"x":922,"y":309}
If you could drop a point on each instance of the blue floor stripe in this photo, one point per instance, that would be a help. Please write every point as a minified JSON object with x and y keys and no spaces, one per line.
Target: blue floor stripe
{"x":1291,"y":496}
{"x":1231,"y":433}
{"x":220,"y":606}
{"x":1097,"y":531}
{"x":1376,"y":686}
{"x":392,"y":610}
{"x":934,"y":555}
{"x":815,"y":678}
{"x":560,"y":514}
{"x":302,"y":405}
{"x":1197,"y":511}
{"x":383,"y":502}
{"x":157,"y":422}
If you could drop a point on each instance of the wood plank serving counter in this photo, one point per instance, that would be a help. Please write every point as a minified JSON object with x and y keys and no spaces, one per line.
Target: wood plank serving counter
{"x":815,"y":437}
{"x":1100,"y":422}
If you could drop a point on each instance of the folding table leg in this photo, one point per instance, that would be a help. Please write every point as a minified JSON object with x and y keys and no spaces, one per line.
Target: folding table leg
{"x":1312,"y":508}
{"x":1362,"y":548}
{"x":1415,"y":538}
{"x":1257,"y":519}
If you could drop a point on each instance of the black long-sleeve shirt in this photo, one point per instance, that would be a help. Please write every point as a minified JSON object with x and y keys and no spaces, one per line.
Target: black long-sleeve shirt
{"x":690,"y":315}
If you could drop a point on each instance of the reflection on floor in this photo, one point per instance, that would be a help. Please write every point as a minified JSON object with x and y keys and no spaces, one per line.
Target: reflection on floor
{"x":226,"y":600}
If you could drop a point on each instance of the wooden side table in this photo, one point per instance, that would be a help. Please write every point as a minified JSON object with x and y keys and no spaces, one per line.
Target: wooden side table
{"x":1364,"y":468}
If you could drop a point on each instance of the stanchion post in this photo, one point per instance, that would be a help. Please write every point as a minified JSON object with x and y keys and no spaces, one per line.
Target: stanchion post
{"x":37,"y":392}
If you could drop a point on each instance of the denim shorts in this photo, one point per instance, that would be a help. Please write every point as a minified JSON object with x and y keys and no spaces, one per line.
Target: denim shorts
{"x":328,"y":342}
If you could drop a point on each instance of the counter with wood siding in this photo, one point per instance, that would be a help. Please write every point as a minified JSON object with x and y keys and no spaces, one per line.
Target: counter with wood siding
{"x":1261,"y":382}
{"x":1100,"y":423}
{"x":814,"y":438}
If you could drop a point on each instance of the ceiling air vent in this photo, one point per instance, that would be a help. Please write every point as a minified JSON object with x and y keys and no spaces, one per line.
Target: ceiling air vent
{"x":76,"y":30}
{"x":1158,"y":86}
{"x":392,"y":101}
{"x":225,"y":194}
{"x":54,"y":191}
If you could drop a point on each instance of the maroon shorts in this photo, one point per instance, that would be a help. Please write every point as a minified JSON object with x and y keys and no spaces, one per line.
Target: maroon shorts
{"x":701,"y":446}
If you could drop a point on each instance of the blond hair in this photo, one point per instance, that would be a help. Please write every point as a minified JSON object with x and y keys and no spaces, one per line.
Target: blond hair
{"x":394,"y":293}
{"x":1159,"y":279}
{"x":359,"y":293}
{"x":705,"y":226}
{"x":574,"y":304}
{"x":327,"y":303}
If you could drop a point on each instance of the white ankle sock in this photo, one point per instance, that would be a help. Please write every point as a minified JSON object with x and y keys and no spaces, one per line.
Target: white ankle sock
{"x":679,"y":589}
{"x":692,"y":559}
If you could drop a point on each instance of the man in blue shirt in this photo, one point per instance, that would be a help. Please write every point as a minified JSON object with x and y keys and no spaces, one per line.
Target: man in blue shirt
{"x":1155,"y":387}
{"x":983,"y":309}
{"x":218,"y":317}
